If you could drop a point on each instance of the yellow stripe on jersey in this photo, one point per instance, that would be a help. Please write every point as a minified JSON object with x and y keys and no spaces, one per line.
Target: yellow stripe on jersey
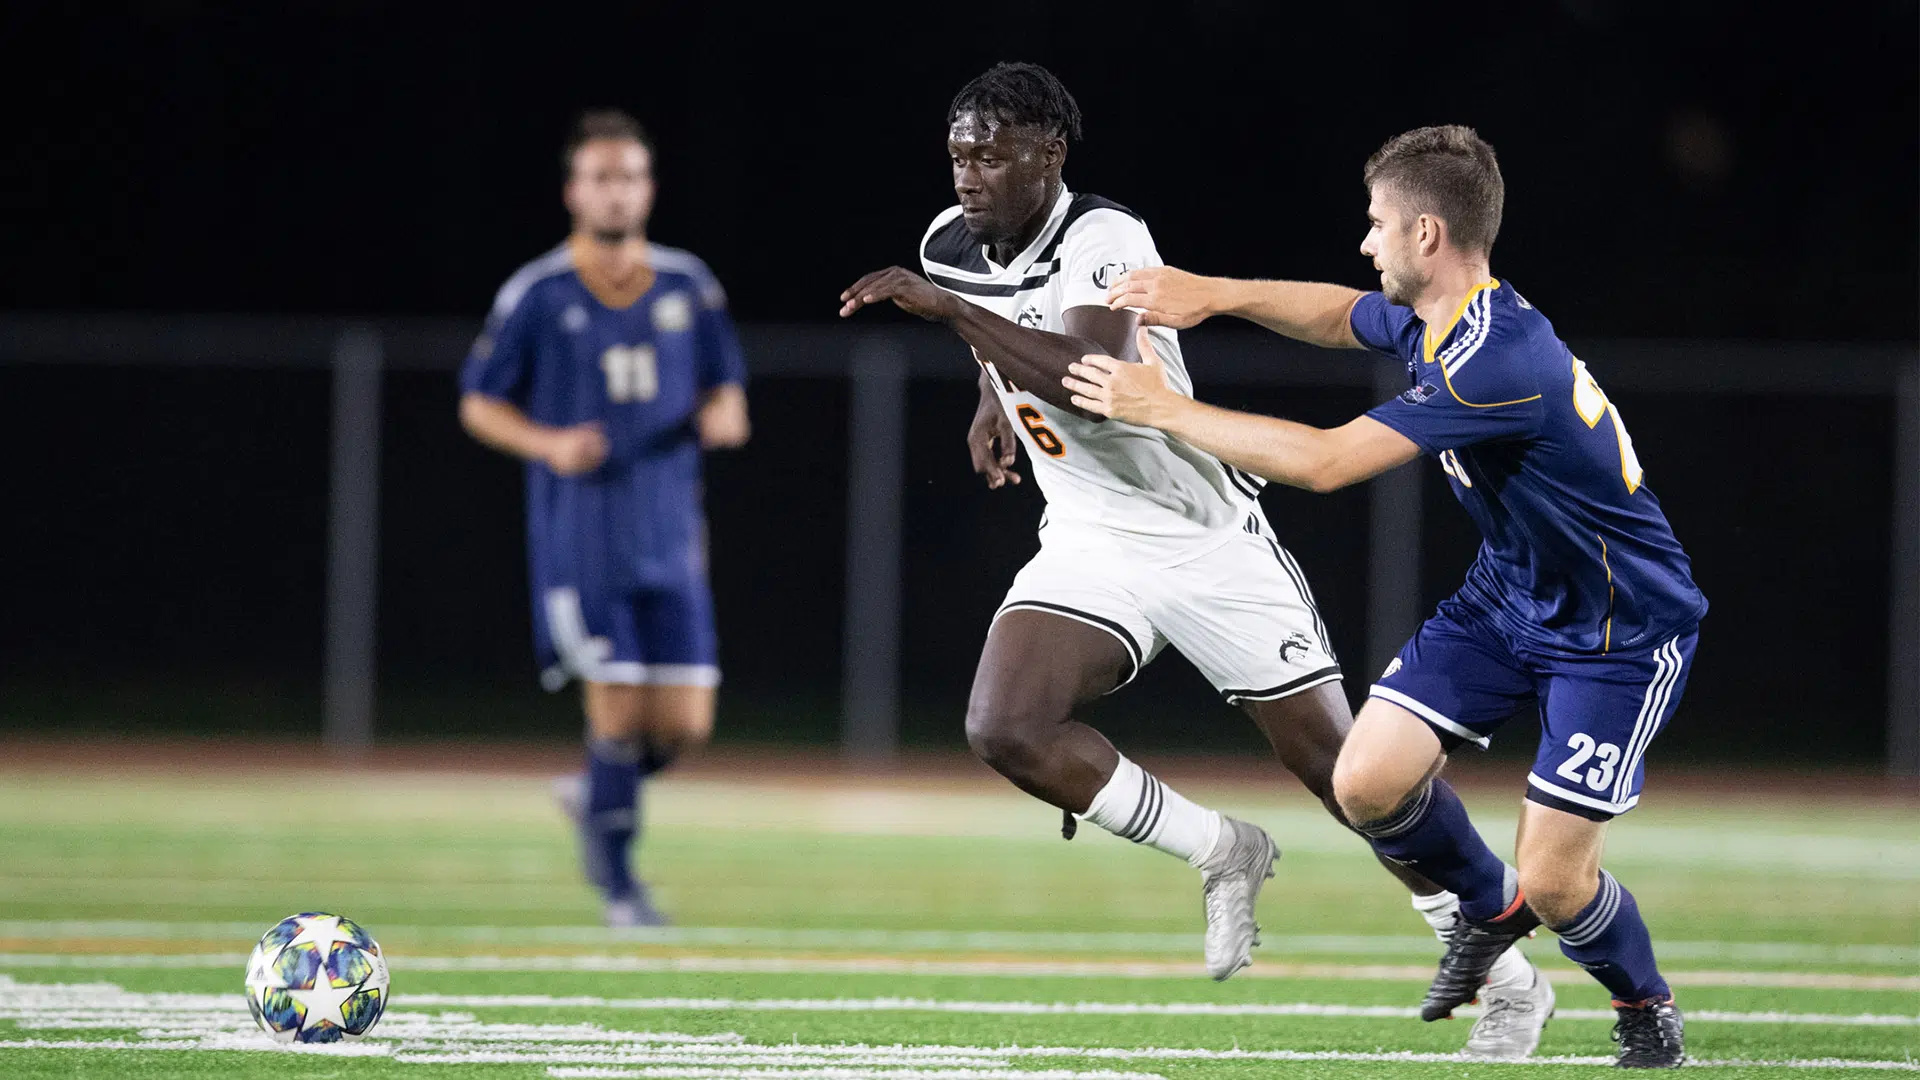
{"x":1480,"y":331}
{"x":1433,"y":342}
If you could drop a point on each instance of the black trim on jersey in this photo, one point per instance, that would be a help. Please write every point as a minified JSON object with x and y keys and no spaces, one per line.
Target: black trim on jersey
{"x":1239,"y":484}
{"x":953,"y":245}
{"x":1549,"y":799}
{"x":1235,"y":697}
{"x":1254,"y":485}
{"x":1134,"y":652}
{"x":1306,"y":594}
{"x":973,"y":288}
{"x":1080,"y":207}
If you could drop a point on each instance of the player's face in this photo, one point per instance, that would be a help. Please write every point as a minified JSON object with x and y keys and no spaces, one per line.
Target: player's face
{"x":1000,"y":174}
{"x":610,"y":190}
{"x":1390,"y":244}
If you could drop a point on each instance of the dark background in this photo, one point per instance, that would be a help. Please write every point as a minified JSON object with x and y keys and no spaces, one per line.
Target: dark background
{"x":1674,"y":170}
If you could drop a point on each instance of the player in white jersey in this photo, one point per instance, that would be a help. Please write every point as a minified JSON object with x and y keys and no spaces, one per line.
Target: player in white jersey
{"x":1146,"y":541}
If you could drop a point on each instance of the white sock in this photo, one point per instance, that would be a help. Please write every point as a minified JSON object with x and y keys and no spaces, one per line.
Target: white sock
{"x":1512,"y":969}
{"x":1439,"y":911}
{"x":1135,"y":806}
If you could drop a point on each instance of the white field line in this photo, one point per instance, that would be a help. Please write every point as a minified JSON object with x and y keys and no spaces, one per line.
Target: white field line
{"x":1000,"y":941}
{"x":183,"y":1022}
{"x":854,"y":1074}
{"x":261,"y":1043}
{"x":1088,"y":969}
{"x":1093,"y":1008}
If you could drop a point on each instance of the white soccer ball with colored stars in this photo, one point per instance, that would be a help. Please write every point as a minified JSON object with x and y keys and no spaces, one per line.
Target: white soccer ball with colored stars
{"x":317,"y":978}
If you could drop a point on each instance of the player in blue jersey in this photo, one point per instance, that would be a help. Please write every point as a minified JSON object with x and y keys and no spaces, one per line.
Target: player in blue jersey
{"x":608,"y":365}
{"x":1581,"y":601}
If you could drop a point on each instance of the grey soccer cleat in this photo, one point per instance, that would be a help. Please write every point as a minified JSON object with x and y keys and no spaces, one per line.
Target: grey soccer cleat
{"x":1513,"y":1019}
{"x":1230,"y":885}
{"x":634,"y":910}
{"x":570,"y":792}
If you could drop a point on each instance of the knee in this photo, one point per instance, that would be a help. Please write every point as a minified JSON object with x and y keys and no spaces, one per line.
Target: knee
{"x":1363,"y":795}
{"x":1558,"y":891}
{"x":614,"y":713}
{"x":1010,"y":738}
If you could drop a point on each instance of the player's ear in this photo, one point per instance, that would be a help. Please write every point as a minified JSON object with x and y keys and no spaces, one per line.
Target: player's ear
{"x":1054,"y":153}
{"x":1432,"y":232}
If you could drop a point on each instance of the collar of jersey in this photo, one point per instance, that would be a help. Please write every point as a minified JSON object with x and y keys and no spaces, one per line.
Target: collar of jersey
{"x":1434,"y":341}
{"x":1025,"y":258}
{"x":603,"y":288}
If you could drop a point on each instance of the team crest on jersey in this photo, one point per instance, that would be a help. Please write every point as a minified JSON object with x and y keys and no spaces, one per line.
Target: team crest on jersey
{"x":1029,"y":316}
{"x":1108,"y":274}
{"x":672,"y":313}
{"x":1419,"y":393}
{"x":1295,"y":640}
{"x":574,"y":319}
{"x":1392,"y":666}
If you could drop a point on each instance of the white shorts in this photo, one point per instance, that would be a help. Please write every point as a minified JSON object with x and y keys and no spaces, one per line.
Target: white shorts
{"x":1242,"y":613}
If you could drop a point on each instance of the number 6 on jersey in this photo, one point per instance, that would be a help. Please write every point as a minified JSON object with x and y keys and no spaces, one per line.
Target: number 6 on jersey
{"x":1043,"y":436}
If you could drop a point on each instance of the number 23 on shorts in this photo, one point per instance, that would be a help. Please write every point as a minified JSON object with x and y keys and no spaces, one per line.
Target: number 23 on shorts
{"x":1037,"y":429}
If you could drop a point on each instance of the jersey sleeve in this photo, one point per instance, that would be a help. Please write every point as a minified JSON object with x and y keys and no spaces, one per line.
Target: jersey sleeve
{"x":1482,"y":399}
{"x":500,"y":364}
{"x":1385,"y":327}
{"x":721,"y":360}
{"x":1099,"y":248}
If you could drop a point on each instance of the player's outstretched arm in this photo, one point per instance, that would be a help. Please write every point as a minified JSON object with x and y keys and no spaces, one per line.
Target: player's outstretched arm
{"x":568,"y":451}
{"x":1034,"y":360}
{"x":1298,"y":455}
{"x":1307,"y":311}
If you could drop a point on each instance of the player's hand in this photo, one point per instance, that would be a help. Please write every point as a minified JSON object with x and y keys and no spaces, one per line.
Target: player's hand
{"x":990,"y":442}
{"x":722,"y":419}
{"x":577,"y":449}
{"x":909,"y":292}
{"x":1164,"y":296}
{"x":1130,"y":393}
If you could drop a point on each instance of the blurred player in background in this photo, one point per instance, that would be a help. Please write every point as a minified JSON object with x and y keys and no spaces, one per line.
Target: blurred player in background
{"x":1146,"y":541}
{"x":608,"y":364}
{"x":1581,"y":601}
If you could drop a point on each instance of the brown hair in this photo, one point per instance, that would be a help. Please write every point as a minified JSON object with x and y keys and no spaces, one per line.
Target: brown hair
{"x":1447,"y":171}
{"x":602,"y":124}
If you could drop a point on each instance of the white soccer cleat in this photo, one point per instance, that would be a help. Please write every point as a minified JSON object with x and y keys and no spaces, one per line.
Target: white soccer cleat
{"x":1230,"y":885}
{"x":1513,"y":1019}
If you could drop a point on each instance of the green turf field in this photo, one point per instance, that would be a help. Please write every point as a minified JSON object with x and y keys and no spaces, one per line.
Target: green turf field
{"x":912,"y":929}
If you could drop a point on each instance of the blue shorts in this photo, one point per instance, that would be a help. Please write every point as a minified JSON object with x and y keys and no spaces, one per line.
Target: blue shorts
{"x":1598,"y":714}
{"x":644,"y":637}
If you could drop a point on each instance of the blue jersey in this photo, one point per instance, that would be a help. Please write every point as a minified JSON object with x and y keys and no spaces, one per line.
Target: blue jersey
{"x":567,"y":349}
{"x":1577,"y":556}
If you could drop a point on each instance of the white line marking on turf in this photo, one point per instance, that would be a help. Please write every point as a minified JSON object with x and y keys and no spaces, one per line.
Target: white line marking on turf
{"x":188,"y":1022}
{"x":930,"y":940}
{"x":1092,"y":1008}
{"x":755,"y":965}
{"x":857,"y":1073}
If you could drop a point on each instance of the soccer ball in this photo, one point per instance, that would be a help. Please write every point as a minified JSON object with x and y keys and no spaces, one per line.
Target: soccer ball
{"x":317,"y":978}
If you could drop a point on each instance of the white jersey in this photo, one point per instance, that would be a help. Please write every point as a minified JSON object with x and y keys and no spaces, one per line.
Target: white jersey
{"x":1110,"y":487}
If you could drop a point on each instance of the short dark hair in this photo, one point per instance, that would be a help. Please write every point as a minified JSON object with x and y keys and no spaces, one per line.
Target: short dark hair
{"x":1020,"y":95}
{"x":1448,"y":171}
{"x":602,"y":124}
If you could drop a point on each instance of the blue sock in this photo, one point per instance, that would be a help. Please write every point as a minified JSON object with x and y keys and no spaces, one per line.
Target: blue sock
{"x":1610,"y":940}
{"x":612,"y":814}
{"x":1431,"y":834}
